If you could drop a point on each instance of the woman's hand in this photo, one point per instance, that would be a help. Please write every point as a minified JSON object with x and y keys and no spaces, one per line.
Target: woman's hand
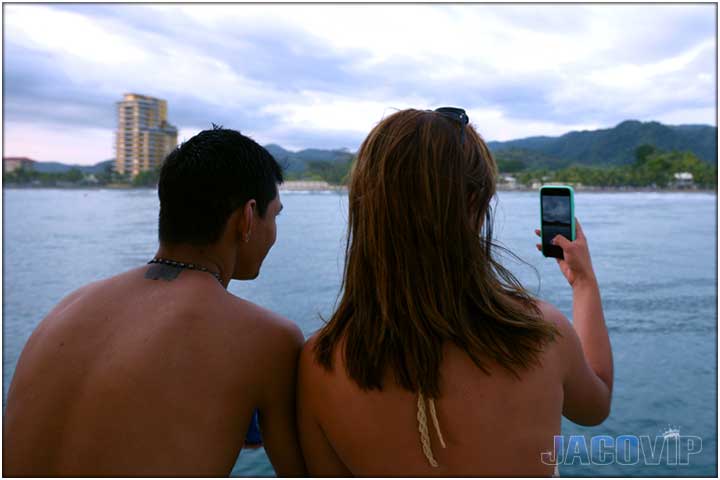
{"x":576,"y":266}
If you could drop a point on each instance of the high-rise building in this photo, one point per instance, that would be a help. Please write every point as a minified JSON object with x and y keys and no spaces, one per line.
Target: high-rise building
{"x":144,"y":136}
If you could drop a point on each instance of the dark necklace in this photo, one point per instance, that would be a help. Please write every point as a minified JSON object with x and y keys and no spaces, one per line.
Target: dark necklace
{"x":187,"y":266}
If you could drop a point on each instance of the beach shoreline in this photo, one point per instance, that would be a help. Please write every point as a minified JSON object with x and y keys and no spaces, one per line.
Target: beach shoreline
{"x":324,"y":187}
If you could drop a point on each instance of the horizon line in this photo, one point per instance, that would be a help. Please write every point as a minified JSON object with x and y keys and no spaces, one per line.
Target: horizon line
{"x":349,"y":150}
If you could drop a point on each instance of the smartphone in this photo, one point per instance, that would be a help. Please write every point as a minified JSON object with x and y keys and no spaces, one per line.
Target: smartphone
{"x":557,"y":216}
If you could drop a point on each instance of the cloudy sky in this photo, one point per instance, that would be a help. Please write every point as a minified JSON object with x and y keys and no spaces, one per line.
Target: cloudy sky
{"x":324,"y":75}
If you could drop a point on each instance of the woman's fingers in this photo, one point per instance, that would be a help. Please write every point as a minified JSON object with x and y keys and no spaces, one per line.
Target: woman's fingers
{"x":562,"y":242}
{"x":537,"y":232}
{"x":578,"y":229}
{"x":539,"y":247}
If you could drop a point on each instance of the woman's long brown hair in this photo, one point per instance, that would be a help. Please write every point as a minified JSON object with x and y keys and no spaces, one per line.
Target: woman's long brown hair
{"x":419,"y":266}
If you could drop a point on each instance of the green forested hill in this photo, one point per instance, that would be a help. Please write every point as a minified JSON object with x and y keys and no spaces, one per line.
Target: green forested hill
{"x":598,"y":157}
{"x":295,"y":162}
{"x":611,"y":146}
{"x":57,"y":167}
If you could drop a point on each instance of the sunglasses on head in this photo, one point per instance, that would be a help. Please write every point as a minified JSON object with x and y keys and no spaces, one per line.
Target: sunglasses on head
{"x":458,"y":115}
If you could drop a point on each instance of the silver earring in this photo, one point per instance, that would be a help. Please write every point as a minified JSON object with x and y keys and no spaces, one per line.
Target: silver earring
{"x":247,"y":237}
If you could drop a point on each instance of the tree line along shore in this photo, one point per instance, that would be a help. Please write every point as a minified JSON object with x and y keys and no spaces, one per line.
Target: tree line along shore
{"x":652,"y":169}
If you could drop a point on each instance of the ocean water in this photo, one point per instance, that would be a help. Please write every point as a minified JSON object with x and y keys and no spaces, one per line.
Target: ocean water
{"x":655,"y":256}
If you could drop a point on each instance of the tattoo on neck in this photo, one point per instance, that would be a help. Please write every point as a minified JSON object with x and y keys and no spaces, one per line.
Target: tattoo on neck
{"x":159,"y":271}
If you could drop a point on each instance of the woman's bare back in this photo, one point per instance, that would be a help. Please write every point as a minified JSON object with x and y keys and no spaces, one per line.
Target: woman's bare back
{"x":492,"y":425}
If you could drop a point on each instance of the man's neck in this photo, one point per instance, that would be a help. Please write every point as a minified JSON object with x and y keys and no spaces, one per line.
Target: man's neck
{"x":200,"y":256}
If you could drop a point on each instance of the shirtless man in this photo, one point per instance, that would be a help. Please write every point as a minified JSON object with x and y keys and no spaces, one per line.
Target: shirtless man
{"x":157,"y":371}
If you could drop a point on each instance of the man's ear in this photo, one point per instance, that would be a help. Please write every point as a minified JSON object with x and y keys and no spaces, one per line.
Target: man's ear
{"x":246,"y":220}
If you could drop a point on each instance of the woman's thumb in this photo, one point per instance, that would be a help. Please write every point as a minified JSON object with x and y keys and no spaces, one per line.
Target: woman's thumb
{"x":561,"y":242}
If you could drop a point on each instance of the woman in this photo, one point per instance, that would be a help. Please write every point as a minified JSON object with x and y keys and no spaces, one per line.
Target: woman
{"x":437,"y":361}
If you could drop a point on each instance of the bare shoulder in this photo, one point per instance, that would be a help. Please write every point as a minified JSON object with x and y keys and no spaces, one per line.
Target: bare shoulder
{"x":72,"y":297}
{"x":308,"y":363}
{"x":309,"y":358}
{"x":266,"y":324}
{"x":568,"y":345}
{"x":85,"y":296}
{"x":315,"y":375}
{"x":98,"y":288}
{"x":562,"y":346}
{"x":309,"y":347}
{"x":552,"y":315}
{"x":313,"y":378}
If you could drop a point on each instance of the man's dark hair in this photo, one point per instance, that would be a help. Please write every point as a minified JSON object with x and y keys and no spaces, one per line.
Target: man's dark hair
{"x":205,"y":179}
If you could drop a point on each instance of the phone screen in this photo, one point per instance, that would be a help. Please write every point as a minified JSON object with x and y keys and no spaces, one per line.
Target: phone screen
{"x":556,"y":219}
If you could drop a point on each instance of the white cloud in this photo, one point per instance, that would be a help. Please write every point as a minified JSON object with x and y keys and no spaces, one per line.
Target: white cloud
{"x":681,"y":116}
{"x":183,"y":71}
{"x":71,"y":34}
{"x":520,"y":70}
{"x":321,"y":111}
{"x":638,"y":76}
